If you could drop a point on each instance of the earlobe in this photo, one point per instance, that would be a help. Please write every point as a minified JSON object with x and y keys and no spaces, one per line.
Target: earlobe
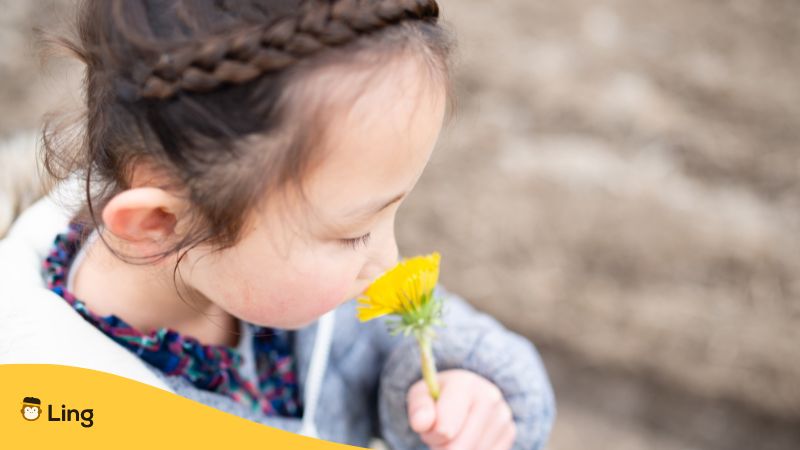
{"x":144,"y":214}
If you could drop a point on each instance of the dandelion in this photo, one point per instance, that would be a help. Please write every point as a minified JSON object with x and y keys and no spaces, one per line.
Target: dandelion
{"x":406,"y":291}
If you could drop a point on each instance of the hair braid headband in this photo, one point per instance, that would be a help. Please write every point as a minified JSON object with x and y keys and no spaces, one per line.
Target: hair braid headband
{"x":242,"y":56}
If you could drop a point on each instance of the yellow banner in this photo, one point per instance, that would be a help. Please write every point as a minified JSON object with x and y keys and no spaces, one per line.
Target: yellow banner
{"x":50,"y":406}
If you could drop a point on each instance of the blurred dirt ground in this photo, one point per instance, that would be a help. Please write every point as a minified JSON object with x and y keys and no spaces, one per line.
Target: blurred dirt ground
{"x":620,"y":184}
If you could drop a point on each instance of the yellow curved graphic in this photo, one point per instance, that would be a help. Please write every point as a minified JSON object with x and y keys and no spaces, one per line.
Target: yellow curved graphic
{"x":82,"y":408}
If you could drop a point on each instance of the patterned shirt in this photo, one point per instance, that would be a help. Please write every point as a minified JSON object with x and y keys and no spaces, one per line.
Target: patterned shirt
{"x":215,"y":368}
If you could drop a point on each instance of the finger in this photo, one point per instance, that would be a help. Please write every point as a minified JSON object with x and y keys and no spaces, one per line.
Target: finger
{"x":506,"y":439}
{"x":452,"y":408}
{"x":469,"y":435}
{"x":502,"y":432}
{"x":421,"y":408}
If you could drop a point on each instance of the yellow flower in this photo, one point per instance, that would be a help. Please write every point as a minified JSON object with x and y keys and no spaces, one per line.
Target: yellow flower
{"x":404,"y":290}
{"x":407,"y":291}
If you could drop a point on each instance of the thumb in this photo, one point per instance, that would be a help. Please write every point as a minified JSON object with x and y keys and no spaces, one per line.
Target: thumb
{"x":421,"y":407}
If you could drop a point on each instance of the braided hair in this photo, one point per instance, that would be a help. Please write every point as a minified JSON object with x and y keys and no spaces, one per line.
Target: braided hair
{"x":181,"y":85}
{"x":244,"y":55}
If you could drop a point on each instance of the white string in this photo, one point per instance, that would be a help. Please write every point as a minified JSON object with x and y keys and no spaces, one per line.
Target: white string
{"x":316,"y":372}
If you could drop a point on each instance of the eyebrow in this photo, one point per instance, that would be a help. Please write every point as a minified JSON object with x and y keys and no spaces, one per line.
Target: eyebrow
{"x":374,"y":207}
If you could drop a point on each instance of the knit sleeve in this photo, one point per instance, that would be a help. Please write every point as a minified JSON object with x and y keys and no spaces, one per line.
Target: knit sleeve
{"x":477,"y":342}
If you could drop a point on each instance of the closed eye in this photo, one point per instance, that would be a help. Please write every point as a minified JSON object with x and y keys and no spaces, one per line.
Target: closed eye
{"x":354,"y":243}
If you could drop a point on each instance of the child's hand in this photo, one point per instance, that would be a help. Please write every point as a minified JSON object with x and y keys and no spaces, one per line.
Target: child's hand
{"x":471,"y":413}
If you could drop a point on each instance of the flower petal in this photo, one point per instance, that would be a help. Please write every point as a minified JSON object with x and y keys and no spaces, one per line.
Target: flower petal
{"x":402,"y":289}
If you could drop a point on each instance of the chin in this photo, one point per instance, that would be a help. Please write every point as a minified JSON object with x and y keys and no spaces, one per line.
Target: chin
{"x":301,"y":322}
{"x":299,"y":326}
{"x":310,"y":321}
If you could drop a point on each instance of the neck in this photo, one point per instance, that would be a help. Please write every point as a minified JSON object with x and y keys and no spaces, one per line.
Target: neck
{"x":145,"y":296}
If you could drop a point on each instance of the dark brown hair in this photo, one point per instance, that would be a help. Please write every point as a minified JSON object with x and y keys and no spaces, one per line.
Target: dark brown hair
{"x":180,"y":85}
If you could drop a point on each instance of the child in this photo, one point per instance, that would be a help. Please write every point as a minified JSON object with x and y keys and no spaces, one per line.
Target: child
{"x":241,"y":164}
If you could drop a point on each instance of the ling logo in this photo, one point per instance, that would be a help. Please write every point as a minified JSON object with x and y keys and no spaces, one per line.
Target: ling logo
{"x":32,"y":410}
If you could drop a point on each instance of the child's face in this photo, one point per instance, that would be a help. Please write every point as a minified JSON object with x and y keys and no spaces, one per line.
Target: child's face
{"x":293,"y":264}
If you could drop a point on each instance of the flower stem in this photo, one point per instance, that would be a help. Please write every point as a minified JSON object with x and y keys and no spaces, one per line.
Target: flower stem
{"x":428,"y":364}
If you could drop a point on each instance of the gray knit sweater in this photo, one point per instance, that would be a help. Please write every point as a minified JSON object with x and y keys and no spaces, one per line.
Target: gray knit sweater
{"x":369,"y":373}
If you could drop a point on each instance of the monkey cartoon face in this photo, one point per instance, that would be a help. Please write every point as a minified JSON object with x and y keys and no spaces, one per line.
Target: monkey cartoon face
{"x":31,"y":408}
{"x":30,"y":412}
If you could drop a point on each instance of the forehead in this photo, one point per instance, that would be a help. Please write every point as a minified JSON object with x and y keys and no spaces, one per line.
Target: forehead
{"x":377,"y":143}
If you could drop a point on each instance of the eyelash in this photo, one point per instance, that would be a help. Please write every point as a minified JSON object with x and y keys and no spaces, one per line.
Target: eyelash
{"x":354,"y":242}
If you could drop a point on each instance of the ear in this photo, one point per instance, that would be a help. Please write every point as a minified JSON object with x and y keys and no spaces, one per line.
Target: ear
{"x":145,"y":217}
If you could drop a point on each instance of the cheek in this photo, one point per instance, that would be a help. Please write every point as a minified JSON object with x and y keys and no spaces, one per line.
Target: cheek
{"x":306,"y":295}
{"x":271,"y":291}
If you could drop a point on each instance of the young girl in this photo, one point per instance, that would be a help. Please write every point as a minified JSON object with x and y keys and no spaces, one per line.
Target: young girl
{"x":239,"y":170}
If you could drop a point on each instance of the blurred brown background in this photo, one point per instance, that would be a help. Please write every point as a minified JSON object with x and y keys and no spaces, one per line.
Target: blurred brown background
{"x":620,"y":184}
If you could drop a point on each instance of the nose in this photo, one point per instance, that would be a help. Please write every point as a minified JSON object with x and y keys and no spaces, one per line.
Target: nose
{"x":382,"y":260}
{"x":388,"y":258}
